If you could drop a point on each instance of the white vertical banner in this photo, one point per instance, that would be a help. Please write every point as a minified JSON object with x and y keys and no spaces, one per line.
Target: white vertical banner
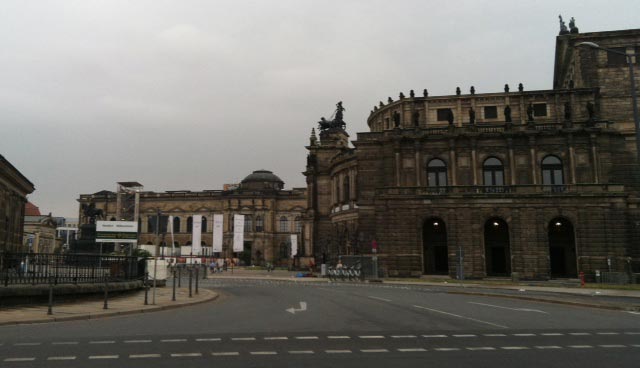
{"x":196,"y":239}
{"x":173,"y":242}
{"x":218,"y":222}
{"x":238,"y":233}
{"x":294,"y":245}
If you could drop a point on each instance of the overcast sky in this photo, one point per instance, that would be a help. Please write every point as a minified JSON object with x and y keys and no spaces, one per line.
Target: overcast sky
{"x":194,"y":94}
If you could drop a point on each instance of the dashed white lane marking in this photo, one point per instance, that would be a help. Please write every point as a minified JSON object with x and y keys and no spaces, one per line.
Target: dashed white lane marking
{"x":580,"y":346}
{"x":635,"y":346}
{"x":514,"y":348}
{"x":371,"y":337}
{"x":542,"y":347}
{"x":338,"y":337}
{"x":374,"y":350}
{"x":243,"y":339}
{"x":513,"y":309}
{"x":30,"y":359}
{"x":613,"y":346}
{"x":62,"y":358}
{"x":300,"y":351}
{"x":524,"y":334}
{"x":144,"y":356}
{"x":446,"y":349}
{"x":608,"y":333}
{"x":27,"y":344}
{"x":459,"y":316}
{"x":480,"y":348}
{"x":276,"y":338}
{"x":102,"y":342}
{"x":225,"y":353}
{"x":173,"y":340}
{"x":306,"y":337}
{"x":209,"y":339}
{"x":378,"y":298}
{"x":465,"y":335}
{"x":403,"y":336}
{"x":65,"y":343}
{"x":184,"y":355}
{"x":263,"y":352}
{"x":137,"y":341}
{"x":494,"y":335}
{"x":430,"y":336}
{"x":632,"y":312}
{"x":337,"y":351}
{"x":411,"y":350}
{"x":552,"y":334}
{"x":579,"y":334}
{"x":104,"y":356}
{"x":632,"y":333}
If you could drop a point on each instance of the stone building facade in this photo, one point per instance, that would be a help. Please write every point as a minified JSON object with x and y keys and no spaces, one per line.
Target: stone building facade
{"x":272,"y":215}
{"x":40,"y":234}
{"x":539,"y":183}
{"x":14,"y":188}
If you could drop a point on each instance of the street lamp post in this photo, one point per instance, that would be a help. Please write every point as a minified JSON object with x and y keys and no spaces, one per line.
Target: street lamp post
{"x":634,"y":97}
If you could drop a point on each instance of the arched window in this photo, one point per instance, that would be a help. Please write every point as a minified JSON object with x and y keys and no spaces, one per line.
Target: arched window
{"x":552,"y":171}
{"x":204,"y":224}
{"x":189,"y":224}
{"x":247,"y":224}
{"x":284,"y":224}
{"x":151,"y":224}
{"x":493,"y":172}
{"x":436,"y":173}
{"x":298,"y":222}
{"x":176,"y":224}
{"x":259,"y":224}
{"x":346,"y":188}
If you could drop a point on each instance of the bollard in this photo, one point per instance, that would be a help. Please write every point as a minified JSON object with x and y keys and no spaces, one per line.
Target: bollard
{"x":581,"y":279}
{"x":106,"y":294}
{"x":190,"y":278}
{"x":197,"y":272}
{"x":179,"y":277}
{"x":173,"y":298}
{"x":204,"y":273}
{"x":50,"y":310}
{"x":146,"y":288}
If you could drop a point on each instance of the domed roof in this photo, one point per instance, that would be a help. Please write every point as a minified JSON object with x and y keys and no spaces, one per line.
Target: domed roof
{"x":262,"y":179}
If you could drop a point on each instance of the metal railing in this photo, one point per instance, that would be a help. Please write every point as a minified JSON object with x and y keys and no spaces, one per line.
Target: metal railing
{"x":503,"y":189}
{"x":44,"y":268}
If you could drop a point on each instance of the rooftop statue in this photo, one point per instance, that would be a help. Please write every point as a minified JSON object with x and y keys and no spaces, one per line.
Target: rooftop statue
{"x":572,"y":26}
{"x":337,"y":122}
{"x":563,"y":27}
{"x":91,"y":212}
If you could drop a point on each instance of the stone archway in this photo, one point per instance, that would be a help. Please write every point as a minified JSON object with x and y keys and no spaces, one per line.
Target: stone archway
{"x":497,"y":247}
{"x":562,"y":248}
{"x":435,"y":254}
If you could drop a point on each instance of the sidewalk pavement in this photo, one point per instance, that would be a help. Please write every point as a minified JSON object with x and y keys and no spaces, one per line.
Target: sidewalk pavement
{"x":117,"y":305}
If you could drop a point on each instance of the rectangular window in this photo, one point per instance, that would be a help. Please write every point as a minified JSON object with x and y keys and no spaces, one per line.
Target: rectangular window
{"x":540,"y":109}
{"x":614,"y":59}
{"x":443,"y":114}
{"x":490,"y":112}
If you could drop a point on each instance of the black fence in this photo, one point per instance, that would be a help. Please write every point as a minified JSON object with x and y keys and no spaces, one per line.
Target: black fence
{"x":41,"y":268}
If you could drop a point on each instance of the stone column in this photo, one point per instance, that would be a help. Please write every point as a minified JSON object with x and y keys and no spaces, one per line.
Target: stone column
{"x":452,"y":162}
{"x":534,"y":163}
{"x":572,"y":159}
{"x":594,"y":158}
{"x":474,"y":163}
{"x":418,"y":163}
{"x":512,"y":163}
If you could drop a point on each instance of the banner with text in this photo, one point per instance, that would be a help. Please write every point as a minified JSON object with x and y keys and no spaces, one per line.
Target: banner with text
{"x":170,"y":227}
{"x":116,"y":231}
{"x":238,"y":233}
{"x":294,"y":245}
{"x":218,"y":222}
{"x":196,"y":239}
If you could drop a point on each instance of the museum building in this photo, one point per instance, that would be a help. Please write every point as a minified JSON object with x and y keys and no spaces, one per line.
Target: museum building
{"x":539,"y":184}
{"x":271,"y":215}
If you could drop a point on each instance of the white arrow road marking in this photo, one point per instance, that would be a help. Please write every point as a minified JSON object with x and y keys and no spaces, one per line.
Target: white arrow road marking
{"x":515,"y":309}
{"x":303,"y":307}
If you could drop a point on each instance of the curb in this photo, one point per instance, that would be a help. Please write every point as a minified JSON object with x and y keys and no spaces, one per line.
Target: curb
{"x":212,"y":297}
{"x":552,"y":301}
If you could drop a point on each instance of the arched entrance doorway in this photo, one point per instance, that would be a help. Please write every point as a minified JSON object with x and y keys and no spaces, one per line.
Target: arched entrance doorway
{"x":497,"y":248}
{"x":562,"y":248}
{"x":434,"y":243}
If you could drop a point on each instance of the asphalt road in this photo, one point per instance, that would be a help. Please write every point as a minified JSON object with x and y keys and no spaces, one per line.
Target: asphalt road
{"x":261,"y":323}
